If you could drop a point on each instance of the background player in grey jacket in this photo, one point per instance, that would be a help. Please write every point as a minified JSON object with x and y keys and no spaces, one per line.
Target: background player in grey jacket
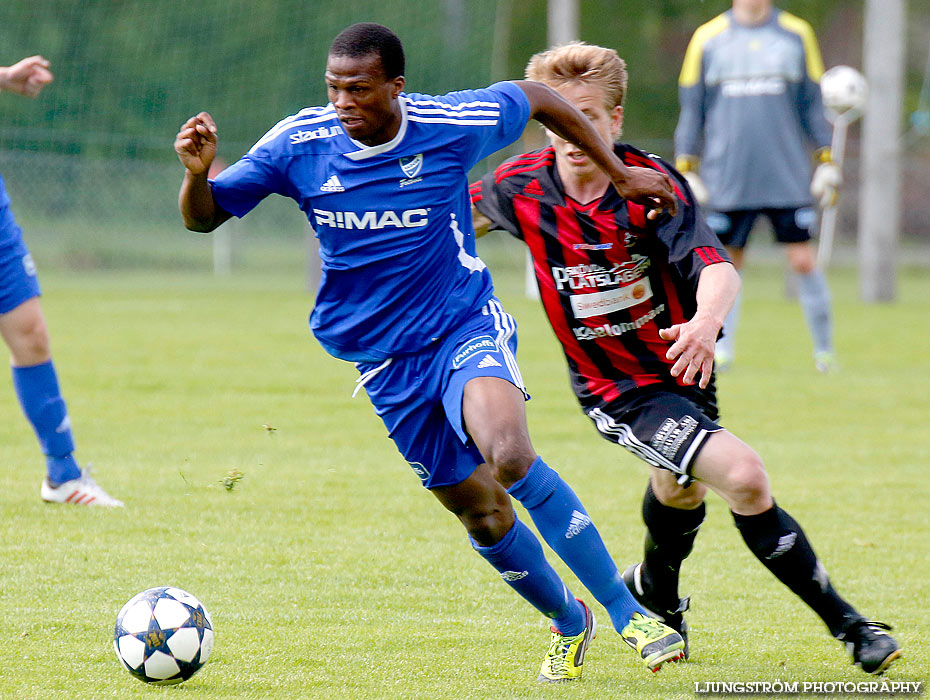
{"x":751,"y":115}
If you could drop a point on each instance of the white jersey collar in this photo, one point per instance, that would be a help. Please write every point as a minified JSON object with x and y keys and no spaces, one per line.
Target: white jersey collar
{"x":370,"y":151}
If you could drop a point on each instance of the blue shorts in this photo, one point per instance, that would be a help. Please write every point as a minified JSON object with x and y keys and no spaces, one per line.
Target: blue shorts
{"x":18,"y":281}
{"x":419,"y":396}
{"x":789,"y":225}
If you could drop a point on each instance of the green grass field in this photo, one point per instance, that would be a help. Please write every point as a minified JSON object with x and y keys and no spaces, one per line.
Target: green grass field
{"x":328,"y":570}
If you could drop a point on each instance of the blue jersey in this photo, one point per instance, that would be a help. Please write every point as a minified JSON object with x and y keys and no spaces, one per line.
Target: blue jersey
{"x":10,"y":233}
{"x":399,"y":266}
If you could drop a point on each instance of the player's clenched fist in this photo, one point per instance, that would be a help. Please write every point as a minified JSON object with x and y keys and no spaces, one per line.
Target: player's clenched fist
{"x":648,"y":187}
{"x":26,"y":77}
{"x":195,"y":143}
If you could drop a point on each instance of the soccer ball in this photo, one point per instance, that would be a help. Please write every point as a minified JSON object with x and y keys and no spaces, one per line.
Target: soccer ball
{"x":163,"y":635}
{"x":844,"y":89}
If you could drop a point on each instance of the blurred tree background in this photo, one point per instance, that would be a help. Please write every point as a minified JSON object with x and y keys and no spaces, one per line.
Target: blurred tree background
{"x":94,"y":151}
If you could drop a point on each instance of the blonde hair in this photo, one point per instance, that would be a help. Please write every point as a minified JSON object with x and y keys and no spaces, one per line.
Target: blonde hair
{"x":578,"y":61}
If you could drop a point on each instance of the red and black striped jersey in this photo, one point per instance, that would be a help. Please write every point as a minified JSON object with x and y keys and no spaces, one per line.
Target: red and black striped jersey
{"x":608,"y":278}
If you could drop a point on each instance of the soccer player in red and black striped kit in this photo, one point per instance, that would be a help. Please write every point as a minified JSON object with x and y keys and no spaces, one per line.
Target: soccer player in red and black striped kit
{"x":637,"y":298}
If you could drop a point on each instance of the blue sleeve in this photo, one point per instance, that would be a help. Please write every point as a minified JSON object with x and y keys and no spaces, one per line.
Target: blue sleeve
{"x":4,"y":197}
{"x":244,"y":184}
{"x":508,"y":111}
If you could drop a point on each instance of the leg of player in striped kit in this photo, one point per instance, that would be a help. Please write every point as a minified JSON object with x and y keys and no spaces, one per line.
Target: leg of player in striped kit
{"x":733,"y":470}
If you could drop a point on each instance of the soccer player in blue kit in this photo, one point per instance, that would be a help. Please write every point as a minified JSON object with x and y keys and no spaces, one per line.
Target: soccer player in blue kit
{"x":23,"y":328}
{"x":382,"y":177}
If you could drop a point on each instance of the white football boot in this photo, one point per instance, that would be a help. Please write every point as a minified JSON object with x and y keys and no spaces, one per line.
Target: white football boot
{"x":83,"y":491}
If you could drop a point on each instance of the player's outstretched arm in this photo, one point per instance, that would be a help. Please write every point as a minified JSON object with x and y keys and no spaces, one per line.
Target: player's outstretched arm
{"x":644,"y":186}
{"x":26,"y":77}
{"x":195,"y":145}
{"x":694,"y":341}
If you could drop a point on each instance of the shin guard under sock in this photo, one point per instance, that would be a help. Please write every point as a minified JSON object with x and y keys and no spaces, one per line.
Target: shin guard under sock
{"x":670,"y":535}
{"x":40,"y":398}
{"x":566,"y":527}
{"x":519,"y":559}
{"x":780,"y":544}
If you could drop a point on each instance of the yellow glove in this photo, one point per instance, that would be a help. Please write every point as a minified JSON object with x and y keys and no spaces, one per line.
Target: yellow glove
{"x":826,"y":181}
{"x":688,"y":166}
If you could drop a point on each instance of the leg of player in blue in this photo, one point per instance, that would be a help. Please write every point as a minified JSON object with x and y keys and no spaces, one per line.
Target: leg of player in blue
{"x":41,"y":401}
{"x":36,"y":383}
{"x":426,"y":423}
{"x":519,"y":559}
{"x":566,"y":526}
{"x":473,"y":446}
{"x":495,"y":532}
{"x":496,"y":420}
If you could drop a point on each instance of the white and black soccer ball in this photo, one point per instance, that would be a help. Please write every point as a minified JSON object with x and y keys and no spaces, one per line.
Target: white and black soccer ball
{"x":163,"y":635}
{"x":844,"y":89}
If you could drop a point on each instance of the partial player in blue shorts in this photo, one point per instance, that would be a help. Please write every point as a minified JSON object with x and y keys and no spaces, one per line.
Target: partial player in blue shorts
{"x":382,"y":176}
{"x":23,"y":328}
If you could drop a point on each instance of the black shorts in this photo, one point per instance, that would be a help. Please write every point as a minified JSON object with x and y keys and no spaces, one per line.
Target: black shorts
{"x":790,"y":225}
{"x":665,"y":428}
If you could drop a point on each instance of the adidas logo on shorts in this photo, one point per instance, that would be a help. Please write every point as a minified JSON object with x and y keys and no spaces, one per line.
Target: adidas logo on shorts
{"x":488,"y":361}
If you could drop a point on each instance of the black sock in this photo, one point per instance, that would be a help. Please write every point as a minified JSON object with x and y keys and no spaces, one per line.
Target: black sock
{"x":779,"y":543}
{"x":670,"y":534}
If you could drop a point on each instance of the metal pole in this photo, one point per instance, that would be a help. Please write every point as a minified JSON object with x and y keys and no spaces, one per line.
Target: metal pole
{"x":500,"y":51}
{"x":222,"y":250}
{"x":880,"y":203}
{"x":562,"y":21}
{"x":562,"y":27}
{"x":829,"y":213}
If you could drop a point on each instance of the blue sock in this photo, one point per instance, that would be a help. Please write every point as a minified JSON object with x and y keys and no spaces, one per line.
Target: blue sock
{"x":519,"y":559}
{"x":40,"y":398}
{"x":565,"y":526}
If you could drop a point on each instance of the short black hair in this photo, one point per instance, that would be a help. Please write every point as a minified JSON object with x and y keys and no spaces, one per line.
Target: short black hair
{"x":366,"y":38}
